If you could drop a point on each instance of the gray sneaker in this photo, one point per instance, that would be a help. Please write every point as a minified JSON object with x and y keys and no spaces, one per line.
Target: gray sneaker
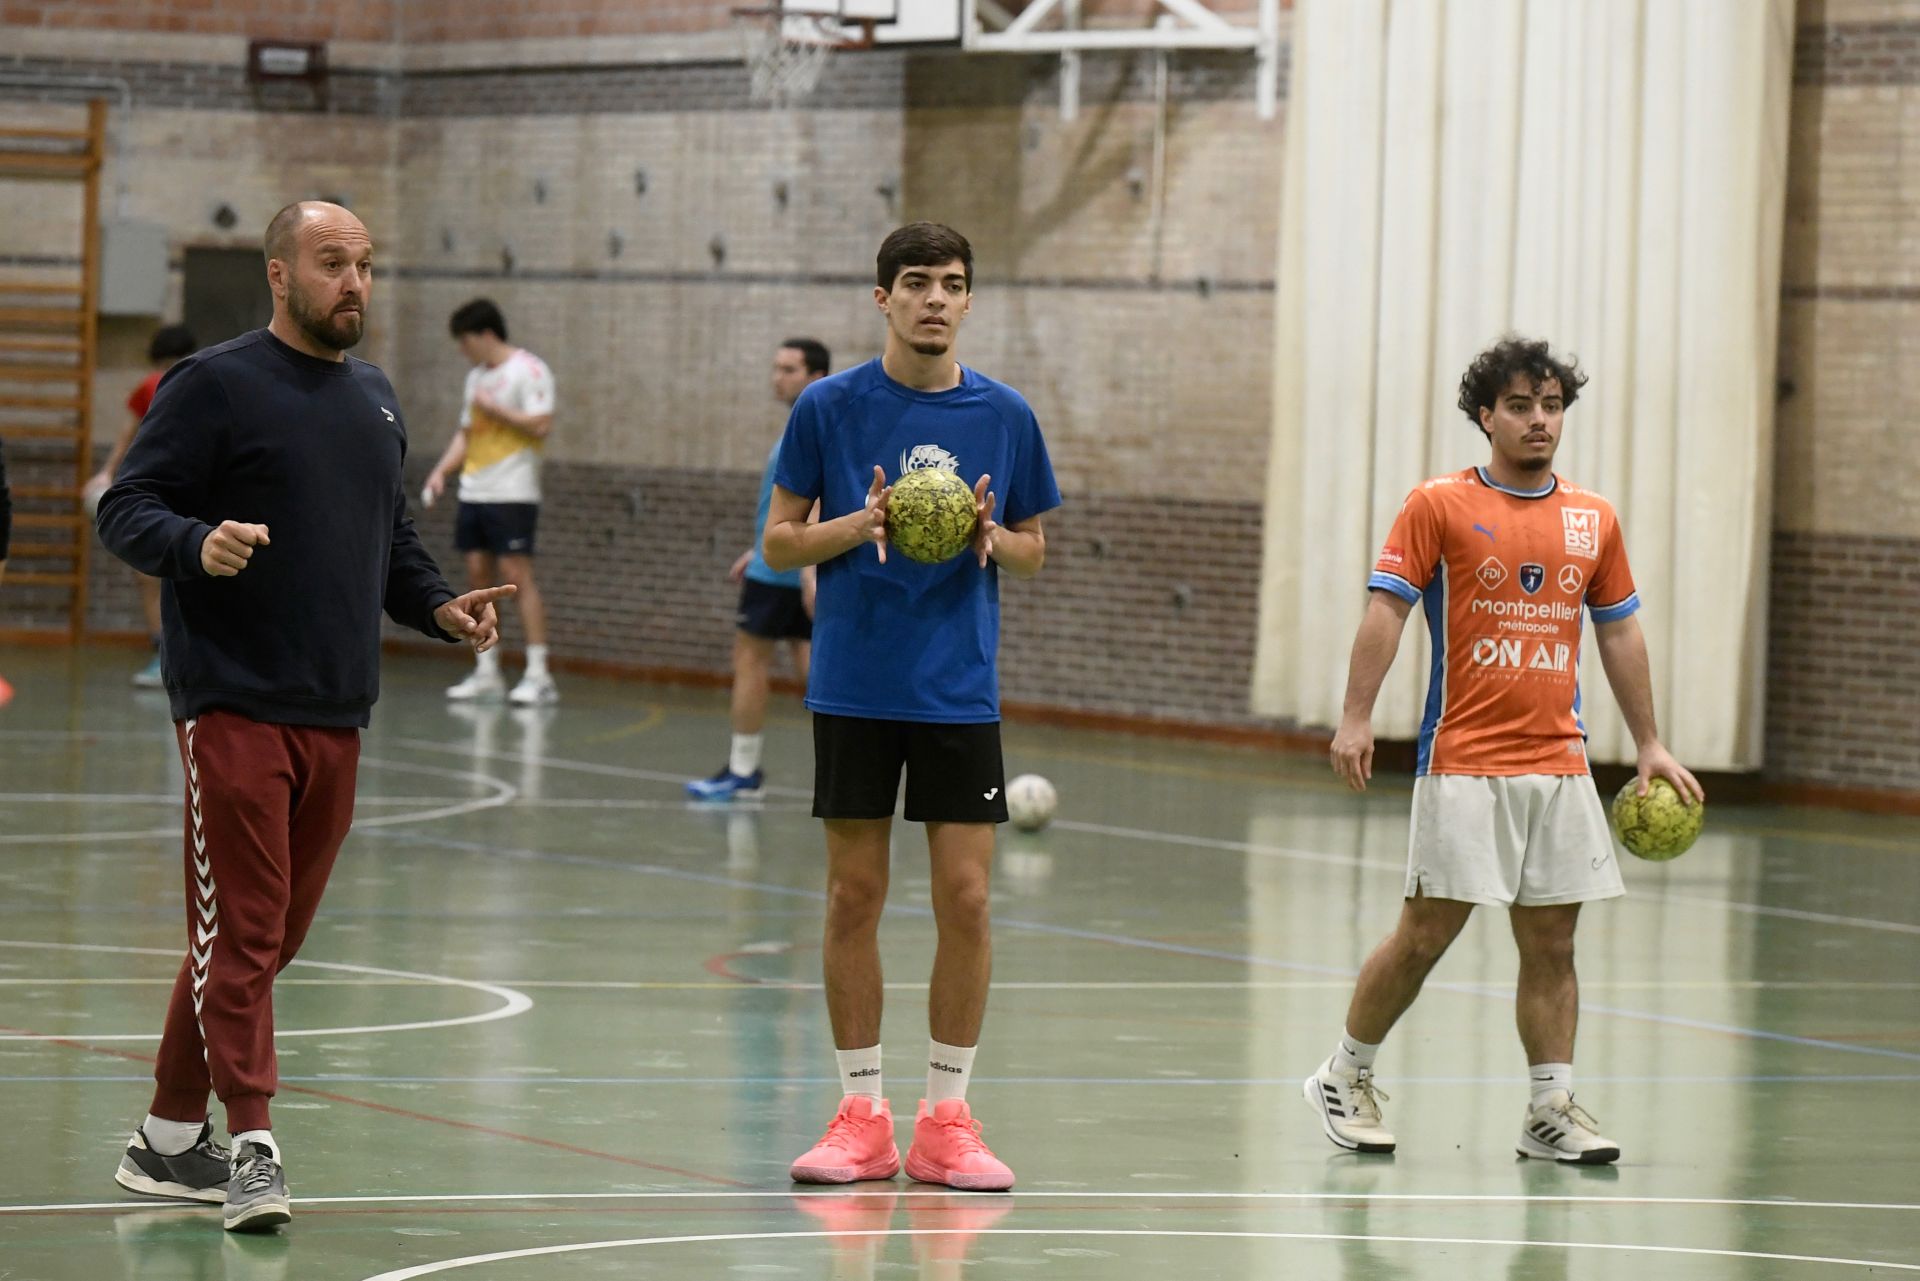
{"x":257,"y":1192}
{"x":198,"y":1174}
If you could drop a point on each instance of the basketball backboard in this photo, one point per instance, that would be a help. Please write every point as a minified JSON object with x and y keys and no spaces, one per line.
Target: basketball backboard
{"x":895,"y":22}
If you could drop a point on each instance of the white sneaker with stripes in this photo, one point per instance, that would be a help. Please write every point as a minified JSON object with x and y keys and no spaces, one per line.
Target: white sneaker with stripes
{"x":1561,"y":1130}
{"x":1348,"y":1108}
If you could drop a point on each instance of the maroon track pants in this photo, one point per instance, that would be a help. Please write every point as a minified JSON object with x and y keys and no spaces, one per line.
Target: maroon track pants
{"x":267,"y":809}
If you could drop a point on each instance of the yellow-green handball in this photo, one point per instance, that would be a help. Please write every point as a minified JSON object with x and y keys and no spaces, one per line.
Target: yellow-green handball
{"x":930,"y":517}
{"x":1659,"y":825}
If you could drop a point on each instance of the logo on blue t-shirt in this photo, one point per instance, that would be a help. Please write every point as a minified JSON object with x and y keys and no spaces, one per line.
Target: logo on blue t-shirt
{"x":922,"y":457}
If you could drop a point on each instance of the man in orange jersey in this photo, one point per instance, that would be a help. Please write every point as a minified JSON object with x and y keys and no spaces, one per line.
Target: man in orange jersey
{"x":1503,"y":558}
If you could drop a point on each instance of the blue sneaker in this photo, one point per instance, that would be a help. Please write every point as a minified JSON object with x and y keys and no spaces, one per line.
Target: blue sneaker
{"x":149,"y":677}
{"x":729,"y":786}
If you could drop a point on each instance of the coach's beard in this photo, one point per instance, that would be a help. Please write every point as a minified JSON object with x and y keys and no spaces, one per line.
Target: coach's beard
{"x":332,"y":330}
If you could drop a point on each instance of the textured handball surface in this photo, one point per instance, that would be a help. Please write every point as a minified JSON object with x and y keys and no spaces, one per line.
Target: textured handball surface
{"x":1657,"y":826}
{"x":930,"y":517}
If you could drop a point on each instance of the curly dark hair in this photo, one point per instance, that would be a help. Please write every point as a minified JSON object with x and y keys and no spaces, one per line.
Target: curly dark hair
{"x":1494,"y":369}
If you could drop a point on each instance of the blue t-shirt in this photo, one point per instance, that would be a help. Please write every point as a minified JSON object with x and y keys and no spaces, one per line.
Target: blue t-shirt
{"x":757,"y":568}
{"x":904,"y":641}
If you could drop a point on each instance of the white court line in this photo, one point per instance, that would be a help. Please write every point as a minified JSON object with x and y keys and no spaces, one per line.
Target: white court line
{"x":1448,"y":1198}
{"x":173,"y":798}
{"x":503,"y":793}
{"x":1396,"y":866}
{"x":513,"y":1003}
{"x":533,"y":1252}
{"x":500,"y":793}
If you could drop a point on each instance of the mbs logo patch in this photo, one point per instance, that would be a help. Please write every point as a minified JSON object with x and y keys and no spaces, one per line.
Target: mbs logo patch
{"x":1582,"y":526}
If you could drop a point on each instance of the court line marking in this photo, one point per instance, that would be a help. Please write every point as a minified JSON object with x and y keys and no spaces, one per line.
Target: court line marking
{"x":769,"y":1194}
{"x":1074,"y":1082}
{"x":513,"y":1002}
{"x":656,"y":715}
{"x":1397,"y":867}
{"x":501,"y":793}
{"x":170,"y":798}
{"x":1132,"y":941}
{"x":580,"y":1247}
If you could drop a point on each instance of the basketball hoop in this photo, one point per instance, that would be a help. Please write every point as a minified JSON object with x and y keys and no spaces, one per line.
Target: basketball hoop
{"x":786,"y":51}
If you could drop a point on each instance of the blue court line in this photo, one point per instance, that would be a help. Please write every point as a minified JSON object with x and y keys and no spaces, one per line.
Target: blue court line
{"x":810,"y":1082}
{"x":1122,"y":940}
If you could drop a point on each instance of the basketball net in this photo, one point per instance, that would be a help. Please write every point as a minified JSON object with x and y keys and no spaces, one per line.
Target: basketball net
{"x":786,"y":53}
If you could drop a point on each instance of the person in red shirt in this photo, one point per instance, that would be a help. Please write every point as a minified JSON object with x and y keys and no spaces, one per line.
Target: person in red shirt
{"x":169,"y":345}
{"x":1502,"y":558}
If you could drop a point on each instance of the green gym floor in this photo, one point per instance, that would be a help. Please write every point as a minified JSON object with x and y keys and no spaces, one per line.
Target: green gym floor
{"x":553,"y":1022}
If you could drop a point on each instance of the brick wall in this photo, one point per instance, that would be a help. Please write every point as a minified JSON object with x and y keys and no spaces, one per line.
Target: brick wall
{"x":1138,"y":329}
{"x":278,"y":19}
{"x":1843,"y":696}
{"x":1843,"y":691}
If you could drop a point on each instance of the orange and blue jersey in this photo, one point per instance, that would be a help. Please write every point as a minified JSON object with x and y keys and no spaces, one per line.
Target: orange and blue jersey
{"x":1503,"y":575}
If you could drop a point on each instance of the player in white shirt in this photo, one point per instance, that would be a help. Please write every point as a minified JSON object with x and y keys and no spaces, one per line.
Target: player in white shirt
{"x":506,"y":414}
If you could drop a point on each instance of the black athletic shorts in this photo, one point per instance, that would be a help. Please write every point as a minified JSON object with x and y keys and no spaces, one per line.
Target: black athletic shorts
{"x":954,"y":772}
{"x":772,"y":612}
{"x":505,"y":529}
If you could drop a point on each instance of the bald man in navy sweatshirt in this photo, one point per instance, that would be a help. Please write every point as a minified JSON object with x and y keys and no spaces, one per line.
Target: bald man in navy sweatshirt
{"x":264,"y":489}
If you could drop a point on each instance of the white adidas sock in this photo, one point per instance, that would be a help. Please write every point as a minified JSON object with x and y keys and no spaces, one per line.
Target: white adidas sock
{"x":1545,"y":1078}
{"x":948,"y":1069}
{"x":536,"y":660}
{"x":1353,"y":1054}
{"x":263,"y":1137}
{"x":860,"y":1071}
{"x":170,"y":1138}
{"x":745,"y":757}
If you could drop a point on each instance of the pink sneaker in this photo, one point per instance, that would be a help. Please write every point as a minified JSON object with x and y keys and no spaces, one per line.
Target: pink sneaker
{"x":857,"y":1145}
{"x":947,"y":1149}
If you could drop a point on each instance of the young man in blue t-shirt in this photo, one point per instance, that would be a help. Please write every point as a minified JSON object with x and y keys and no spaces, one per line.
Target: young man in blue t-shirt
{"x":775,"y":605}
{"x":905,"y":675}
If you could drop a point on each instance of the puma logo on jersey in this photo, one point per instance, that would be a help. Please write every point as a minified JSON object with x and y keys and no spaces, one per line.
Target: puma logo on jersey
{"x":991,"y":792}
{"x":389,"y":414}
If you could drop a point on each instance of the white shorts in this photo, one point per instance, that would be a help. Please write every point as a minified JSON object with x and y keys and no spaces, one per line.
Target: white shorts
{"x":1530,"y":840}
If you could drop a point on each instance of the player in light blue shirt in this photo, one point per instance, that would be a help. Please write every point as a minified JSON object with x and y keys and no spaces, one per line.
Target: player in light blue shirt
{"x":905,"y":677}
{"x":775,"y":605}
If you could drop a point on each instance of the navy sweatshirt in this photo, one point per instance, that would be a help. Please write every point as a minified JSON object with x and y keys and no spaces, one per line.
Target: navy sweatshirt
{"x":254,"y":431}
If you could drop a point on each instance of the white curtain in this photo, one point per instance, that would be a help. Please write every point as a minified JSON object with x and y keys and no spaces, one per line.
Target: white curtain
{"x":1607,"y":174}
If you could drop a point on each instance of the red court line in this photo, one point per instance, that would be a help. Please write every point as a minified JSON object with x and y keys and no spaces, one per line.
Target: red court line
{"x":390,"y":1110}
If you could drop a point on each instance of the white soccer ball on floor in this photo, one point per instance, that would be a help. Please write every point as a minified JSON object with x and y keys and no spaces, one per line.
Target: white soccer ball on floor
{"x":1030,"y":802}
